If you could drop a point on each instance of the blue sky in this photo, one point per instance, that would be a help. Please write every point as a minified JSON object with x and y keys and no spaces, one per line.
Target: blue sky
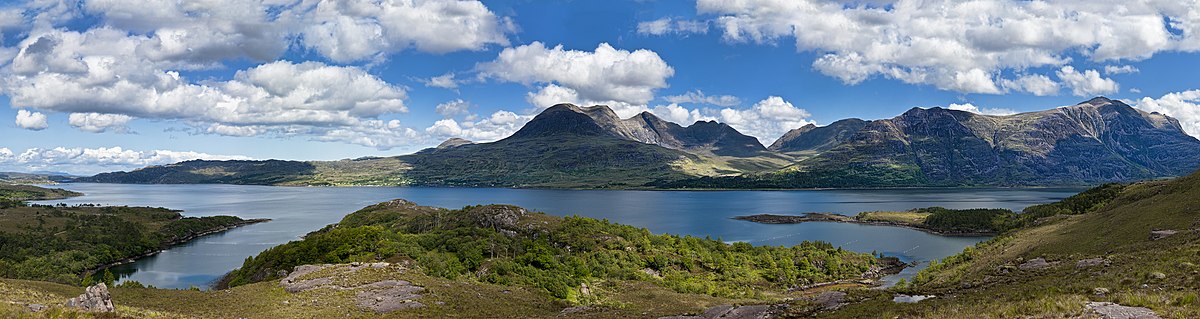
{"x":100,"y":85}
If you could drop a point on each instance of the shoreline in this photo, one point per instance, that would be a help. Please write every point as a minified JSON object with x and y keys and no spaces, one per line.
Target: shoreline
{"x":835,"y":218}
{"x":173,"y":243}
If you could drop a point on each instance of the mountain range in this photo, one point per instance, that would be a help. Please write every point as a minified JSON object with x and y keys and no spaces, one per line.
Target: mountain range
{"x":1097,"y":141}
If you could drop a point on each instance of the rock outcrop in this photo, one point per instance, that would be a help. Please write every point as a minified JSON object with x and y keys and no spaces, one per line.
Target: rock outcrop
{"x":94,"y":299}
{"x":1108,"y":310}
{"x":380,"y":296}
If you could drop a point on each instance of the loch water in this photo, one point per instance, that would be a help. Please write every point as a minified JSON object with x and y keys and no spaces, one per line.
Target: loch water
{"x":295,"y":211}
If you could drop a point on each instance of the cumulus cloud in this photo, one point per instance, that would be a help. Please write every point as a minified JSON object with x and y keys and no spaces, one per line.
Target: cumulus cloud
{"x":699,"y":97}
{"x":975,"y":109}
{"x":605,"y":74}
{"x":34,"y":121}
{"x":345,"y":31}
{"x":445,"y":81}
{"x":1120,"y":69}
{"x":99,"y":123}
{"x":670,"y":25}
{"x":355,"y":30}
{"x":79,"y":160}
{"x":958,"y":45}
{"x":452,"y":108}
{"x":1035,"y":84}
{"x":1086,"y":83}
{"x":100,"y":71}
{"x":766,"y":120}
{"x":126,"y":64}
{"x":1183,"y":106}
{"x":499,"y":125}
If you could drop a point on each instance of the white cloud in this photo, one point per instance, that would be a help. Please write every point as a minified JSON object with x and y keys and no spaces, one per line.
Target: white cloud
{"x":698,"y":96}
{"x":1035,"y":84}
{"x":766,"y":120}
{"x":100,"y":71}
{"x":204,"y":32}
{"x":605,"y":74}
{"x":499,"y":125}
{"x":669,"y":25}
{"x":958,"y":45}
{"x":94,"y":160}
{"x":99,"y":123}
{"x":975,"y":109}
{"x":34,"y":121}
{"x":1088,"y":83}
{"x":445,"y":81}
{"x":452,"y":108}
{"x":1183,"y":106}
{"x":356,"y":30}
{"x":1120,"y":69}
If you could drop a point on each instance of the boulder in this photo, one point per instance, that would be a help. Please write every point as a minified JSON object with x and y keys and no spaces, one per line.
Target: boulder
{"x":1091,"y":262}
{"x":94,"y":299}
{"x":830,"y":300}
{"x":1035,"y":264}
{"x":1108,"y":310}
{"x":1160,"y":234}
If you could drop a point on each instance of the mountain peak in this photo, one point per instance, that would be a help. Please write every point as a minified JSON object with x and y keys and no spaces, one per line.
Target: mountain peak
{"x":454,"y":142}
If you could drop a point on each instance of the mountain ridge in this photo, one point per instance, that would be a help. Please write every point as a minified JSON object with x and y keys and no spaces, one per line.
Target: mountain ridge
{"x":1096,"y":141}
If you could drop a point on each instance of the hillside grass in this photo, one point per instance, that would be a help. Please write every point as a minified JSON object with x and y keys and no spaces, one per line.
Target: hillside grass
{"x":1111,"y":222}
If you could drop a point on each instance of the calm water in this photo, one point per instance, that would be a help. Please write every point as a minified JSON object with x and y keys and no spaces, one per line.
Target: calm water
{"x":298,"y":210}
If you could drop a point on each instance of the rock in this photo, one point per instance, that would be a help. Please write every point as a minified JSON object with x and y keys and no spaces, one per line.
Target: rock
{"x":902,"y":298}
{"x":735,"y":312}
{"x":1157,"y":275}
{"x":1100,"y":291}
{"x":584,"y":289}
{"x":830,"y":300}
{"x":1160,"y":234}
{"x":1108,"y":310}
{"x":1035,"y":264}
{"x":1091,"y":262}
{"x":652,"y":272}
{"x":36,"y":307}
{"x":574,"y":310}
{"x":93,"y":299}
{"x":400,"y":295}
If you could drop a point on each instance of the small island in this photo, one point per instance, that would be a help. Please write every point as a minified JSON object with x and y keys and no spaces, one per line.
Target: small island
{"x":66,"y":244}
{"x":934,"y":220}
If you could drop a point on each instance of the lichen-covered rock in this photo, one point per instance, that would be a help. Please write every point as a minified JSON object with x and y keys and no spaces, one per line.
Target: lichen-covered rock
{"x":1108,"y":310}
{"x":1035,"y":264}
{"x":93,"y":299}
{"x":1091,"y":262}
{"x":1160,"y":234}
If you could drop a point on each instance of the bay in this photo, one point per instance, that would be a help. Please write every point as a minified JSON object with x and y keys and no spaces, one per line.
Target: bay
{"x":296,"y":211}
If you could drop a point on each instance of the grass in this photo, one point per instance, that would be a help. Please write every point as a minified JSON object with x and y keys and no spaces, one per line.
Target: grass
{"x":985,"y":282}
{"x":908,"y":217}
{"x":29,"y":192}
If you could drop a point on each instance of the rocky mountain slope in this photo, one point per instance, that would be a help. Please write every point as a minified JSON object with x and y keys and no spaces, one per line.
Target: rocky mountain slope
{"x":815,"y":139}
{"x":1094,"y":142}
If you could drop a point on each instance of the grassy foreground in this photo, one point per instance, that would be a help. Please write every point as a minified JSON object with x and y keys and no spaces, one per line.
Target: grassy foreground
{"x":1096,"y":247}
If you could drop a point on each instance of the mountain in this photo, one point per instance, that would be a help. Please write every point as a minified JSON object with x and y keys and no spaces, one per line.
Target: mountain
{"x":702,"y":136}
{"x":1096,"y":141}
{"x":812,"y":138}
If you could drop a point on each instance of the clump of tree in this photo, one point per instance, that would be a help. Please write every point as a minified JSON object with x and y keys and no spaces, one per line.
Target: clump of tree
{"x":491,"y":244}
{"x":63,"y":244}
{"x":970,"y":220}
{"x":1082,"y":203}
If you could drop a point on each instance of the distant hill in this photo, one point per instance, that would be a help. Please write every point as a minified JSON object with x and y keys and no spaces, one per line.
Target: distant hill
{"x":812,"y":138}
{"x":1094,"y":142}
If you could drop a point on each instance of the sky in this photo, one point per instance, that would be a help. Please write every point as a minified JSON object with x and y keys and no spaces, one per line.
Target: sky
{"x":103,"y":85}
